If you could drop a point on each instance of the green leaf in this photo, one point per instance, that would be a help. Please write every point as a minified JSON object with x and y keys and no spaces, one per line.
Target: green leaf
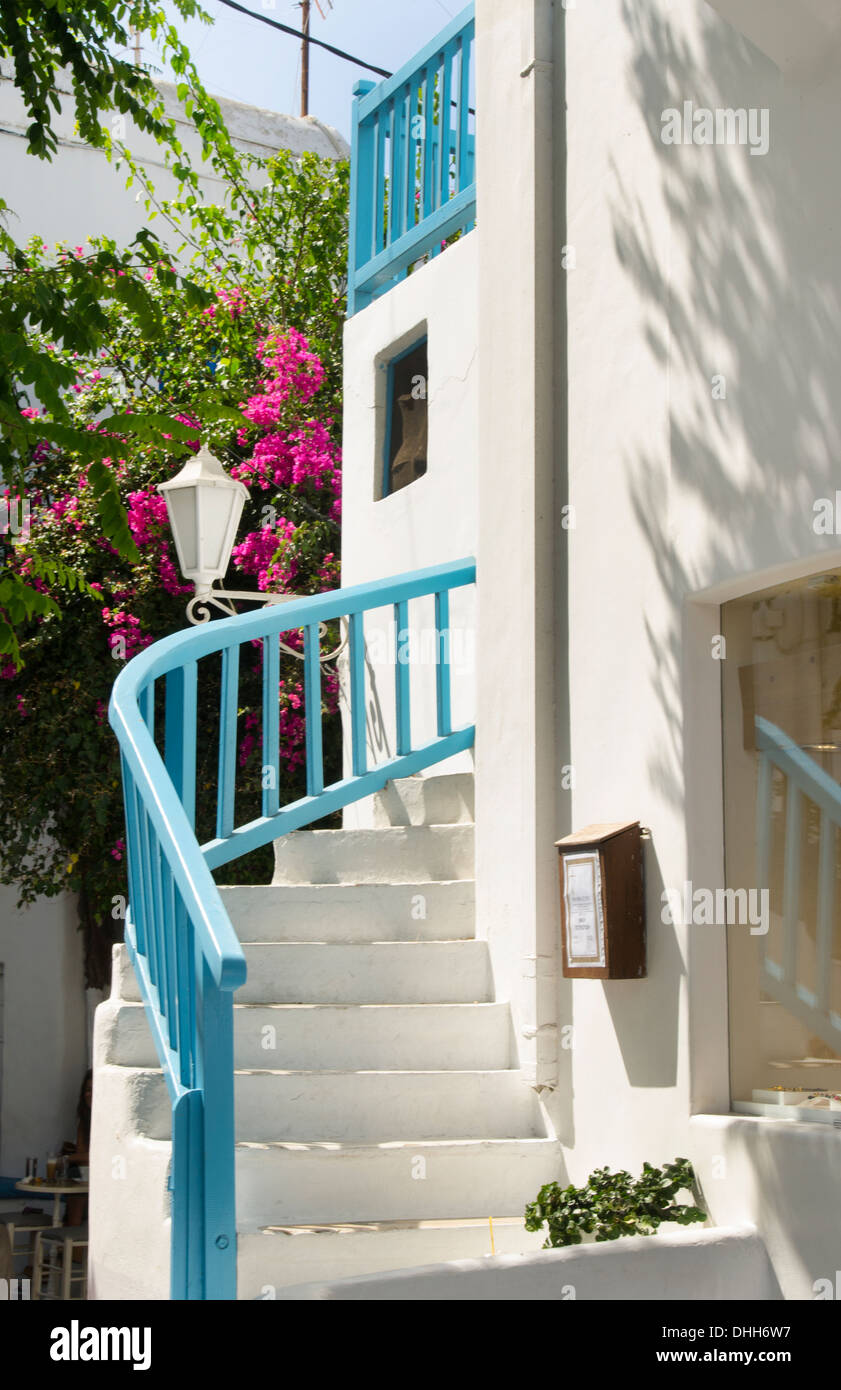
{"x":112,"y":513}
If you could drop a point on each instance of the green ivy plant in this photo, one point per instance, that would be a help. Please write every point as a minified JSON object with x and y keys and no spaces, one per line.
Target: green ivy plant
{"x":611,"y":1205}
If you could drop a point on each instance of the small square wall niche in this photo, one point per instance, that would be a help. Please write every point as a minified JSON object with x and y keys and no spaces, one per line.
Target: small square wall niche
{"x":406,"y":418}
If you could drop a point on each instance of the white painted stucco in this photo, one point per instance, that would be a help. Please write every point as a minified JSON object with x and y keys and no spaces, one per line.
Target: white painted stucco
{"x":618,"y":277}
{"x":679,"y":1266}
{"x":79,"y":194}
{"x":45,"y":1045}
{"x":434,"y":519}
{"x":803,"y":39}
{"x":669,"y":265}
{"x":613,"y":277}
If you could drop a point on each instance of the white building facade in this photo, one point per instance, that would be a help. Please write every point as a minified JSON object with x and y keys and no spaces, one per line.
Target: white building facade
{"x":615,"y":388}
{"x":632,"y":433}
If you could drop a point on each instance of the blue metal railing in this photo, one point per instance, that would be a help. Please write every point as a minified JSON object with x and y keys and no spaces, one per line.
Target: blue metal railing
{"x":184,"y":949}
{"x":413,"y":181}
{"x":805,"y":781}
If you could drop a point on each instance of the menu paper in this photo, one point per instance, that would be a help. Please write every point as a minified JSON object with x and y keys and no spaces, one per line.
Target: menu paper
{"x":584,"y":916}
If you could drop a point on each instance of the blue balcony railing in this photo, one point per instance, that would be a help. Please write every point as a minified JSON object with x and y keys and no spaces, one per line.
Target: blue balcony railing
{"x":413,"y":179}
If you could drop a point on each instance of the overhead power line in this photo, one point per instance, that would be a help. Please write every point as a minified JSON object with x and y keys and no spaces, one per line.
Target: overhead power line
{"x":299,"y":34}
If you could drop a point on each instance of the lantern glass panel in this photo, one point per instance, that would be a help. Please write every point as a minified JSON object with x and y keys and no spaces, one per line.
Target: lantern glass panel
{"x":182,"y":504}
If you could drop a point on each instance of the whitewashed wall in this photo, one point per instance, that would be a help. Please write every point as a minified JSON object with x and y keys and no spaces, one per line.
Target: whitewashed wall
{"x":434,"y":519}
{"x":666,"y":266}
{"x":78,"y":194}
{"x":45,"y":1038}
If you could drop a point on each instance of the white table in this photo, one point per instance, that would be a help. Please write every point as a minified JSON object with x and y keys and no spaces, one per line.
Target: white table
{"x":55,"y":1189}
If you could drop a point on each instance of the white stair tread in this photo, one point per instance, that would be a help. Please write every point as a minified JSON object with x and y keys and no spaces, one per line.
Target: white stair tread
{"x":409,"y":911}
{"x":444,"y":800}
{"x":272,"y":1261}
{"x":297,"y":1182}
{"x":379,"y":972}
{"x":420,"y":853}
{"x":365,"y":1105}
{"x":341,"y":1228}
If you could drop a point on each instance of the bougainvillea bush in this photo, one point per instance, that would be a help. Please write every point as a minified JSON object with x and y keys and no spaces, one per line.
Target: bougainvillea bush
{"x":252,"y":370}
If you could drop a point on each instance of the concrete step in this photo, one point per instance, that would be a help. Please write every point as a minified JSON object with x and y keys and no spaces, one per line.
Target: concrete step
{"x":378,"y":1106}
{"x":272,"y":1261}
{"x":380,"y":972}
{"x":419,"y":800}
{"x":364,"y":1106}
{"x":353,"y":911}
{"x":384,"y":972}
{"x":400,"y":854}
{"x":398,"y":1037}
{"x":293,"y":1184}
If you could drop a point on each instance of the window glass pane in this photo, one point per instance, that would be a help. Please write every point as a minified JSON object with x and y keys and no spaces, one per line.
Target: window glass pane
{"x":782,"y":811}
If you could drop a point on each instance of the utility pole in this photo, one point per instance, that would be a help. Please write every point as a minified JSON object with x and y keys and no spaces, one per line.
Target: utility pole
{"x":137,"y":49}
{"x":305,"y":58}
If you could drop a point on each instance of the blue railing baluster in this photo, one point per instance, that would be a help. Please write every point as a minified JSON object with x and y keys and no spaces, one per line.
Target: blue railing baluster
{"x":442,"y":664}
{"x":185,"y":966}
{"x":445,"y":123}
{"x":397,"y":182}
{"x":220,"y":1246}
{"x":357,"y":695}
{"x":186,"y":955}
{"x":271,"y":725}
{"x":362,"y":232}
{"x":429,"y":140}
{"x":380,"y":184}
{"x":134,"y":859}
{"x":158,"y":923}
{"x":227,"y":742}
{"x":463,"y":159}
{"x":148,"y":895}
{"x":412,"y":147}
{"x":168,"y":924}
{"x":312,"y":704}
{"x":180,"y":735}
{"x":414,"y":203}
{"x":401,"y":675}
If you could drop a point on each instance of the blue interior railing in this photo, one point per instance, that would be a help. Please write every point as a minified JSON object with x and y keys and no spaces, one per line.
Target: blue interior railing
{"x":785,"y":975}
{"x":185,"y":952}
{"x":413,"y":179}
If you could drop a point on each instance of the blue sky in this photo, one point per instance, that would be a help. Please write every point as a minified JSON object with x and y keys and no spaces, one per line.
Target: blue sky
{"x":241,"y":58}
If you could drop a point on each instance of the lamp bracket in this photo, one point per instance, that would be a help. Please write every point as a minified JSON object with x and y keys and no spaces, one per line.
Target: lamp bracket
{"x":198,"y":611}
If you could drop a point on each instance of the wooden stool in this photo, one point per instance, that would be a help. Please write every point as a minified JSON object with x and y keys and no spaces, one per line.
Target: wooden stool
{"x":54,"y":1250}
{"x":23,"y":1224}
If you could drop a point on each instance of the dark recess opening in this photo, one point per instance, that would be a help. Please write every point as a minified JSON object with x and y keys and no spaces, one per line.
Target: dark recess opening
{"x":406,"y":424}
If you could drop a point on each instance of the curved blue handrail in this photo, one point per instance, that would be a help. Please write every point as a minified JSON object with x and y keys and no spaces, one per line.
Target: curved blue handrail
{"x":183,"y":946}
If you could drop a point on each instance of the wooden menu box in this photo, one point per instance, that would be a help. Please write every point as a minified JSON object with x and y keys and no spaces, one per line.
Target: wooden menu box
{"x":602,"y":902}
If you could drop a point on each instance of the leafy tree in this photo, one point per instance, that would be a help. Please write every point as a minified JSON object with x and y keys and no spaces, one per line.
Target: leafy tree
{"x":250,"y":366}
{"x":114,"y":361}
{"x":52,"y":309}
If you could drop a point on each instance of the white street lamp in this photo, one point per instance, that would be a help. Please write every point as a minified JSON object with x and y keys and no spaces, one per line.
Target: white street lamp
{"x":204,"y":505}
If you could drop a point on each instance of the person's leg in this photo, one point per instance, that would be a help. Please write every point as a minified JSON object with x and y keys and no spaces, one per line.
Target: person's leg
{"x":75,"y":1211}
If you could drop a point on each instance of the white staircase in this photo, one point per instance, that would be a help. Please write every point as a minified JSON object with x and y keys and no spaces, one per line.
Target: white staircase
{"x":380,"y":1121}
